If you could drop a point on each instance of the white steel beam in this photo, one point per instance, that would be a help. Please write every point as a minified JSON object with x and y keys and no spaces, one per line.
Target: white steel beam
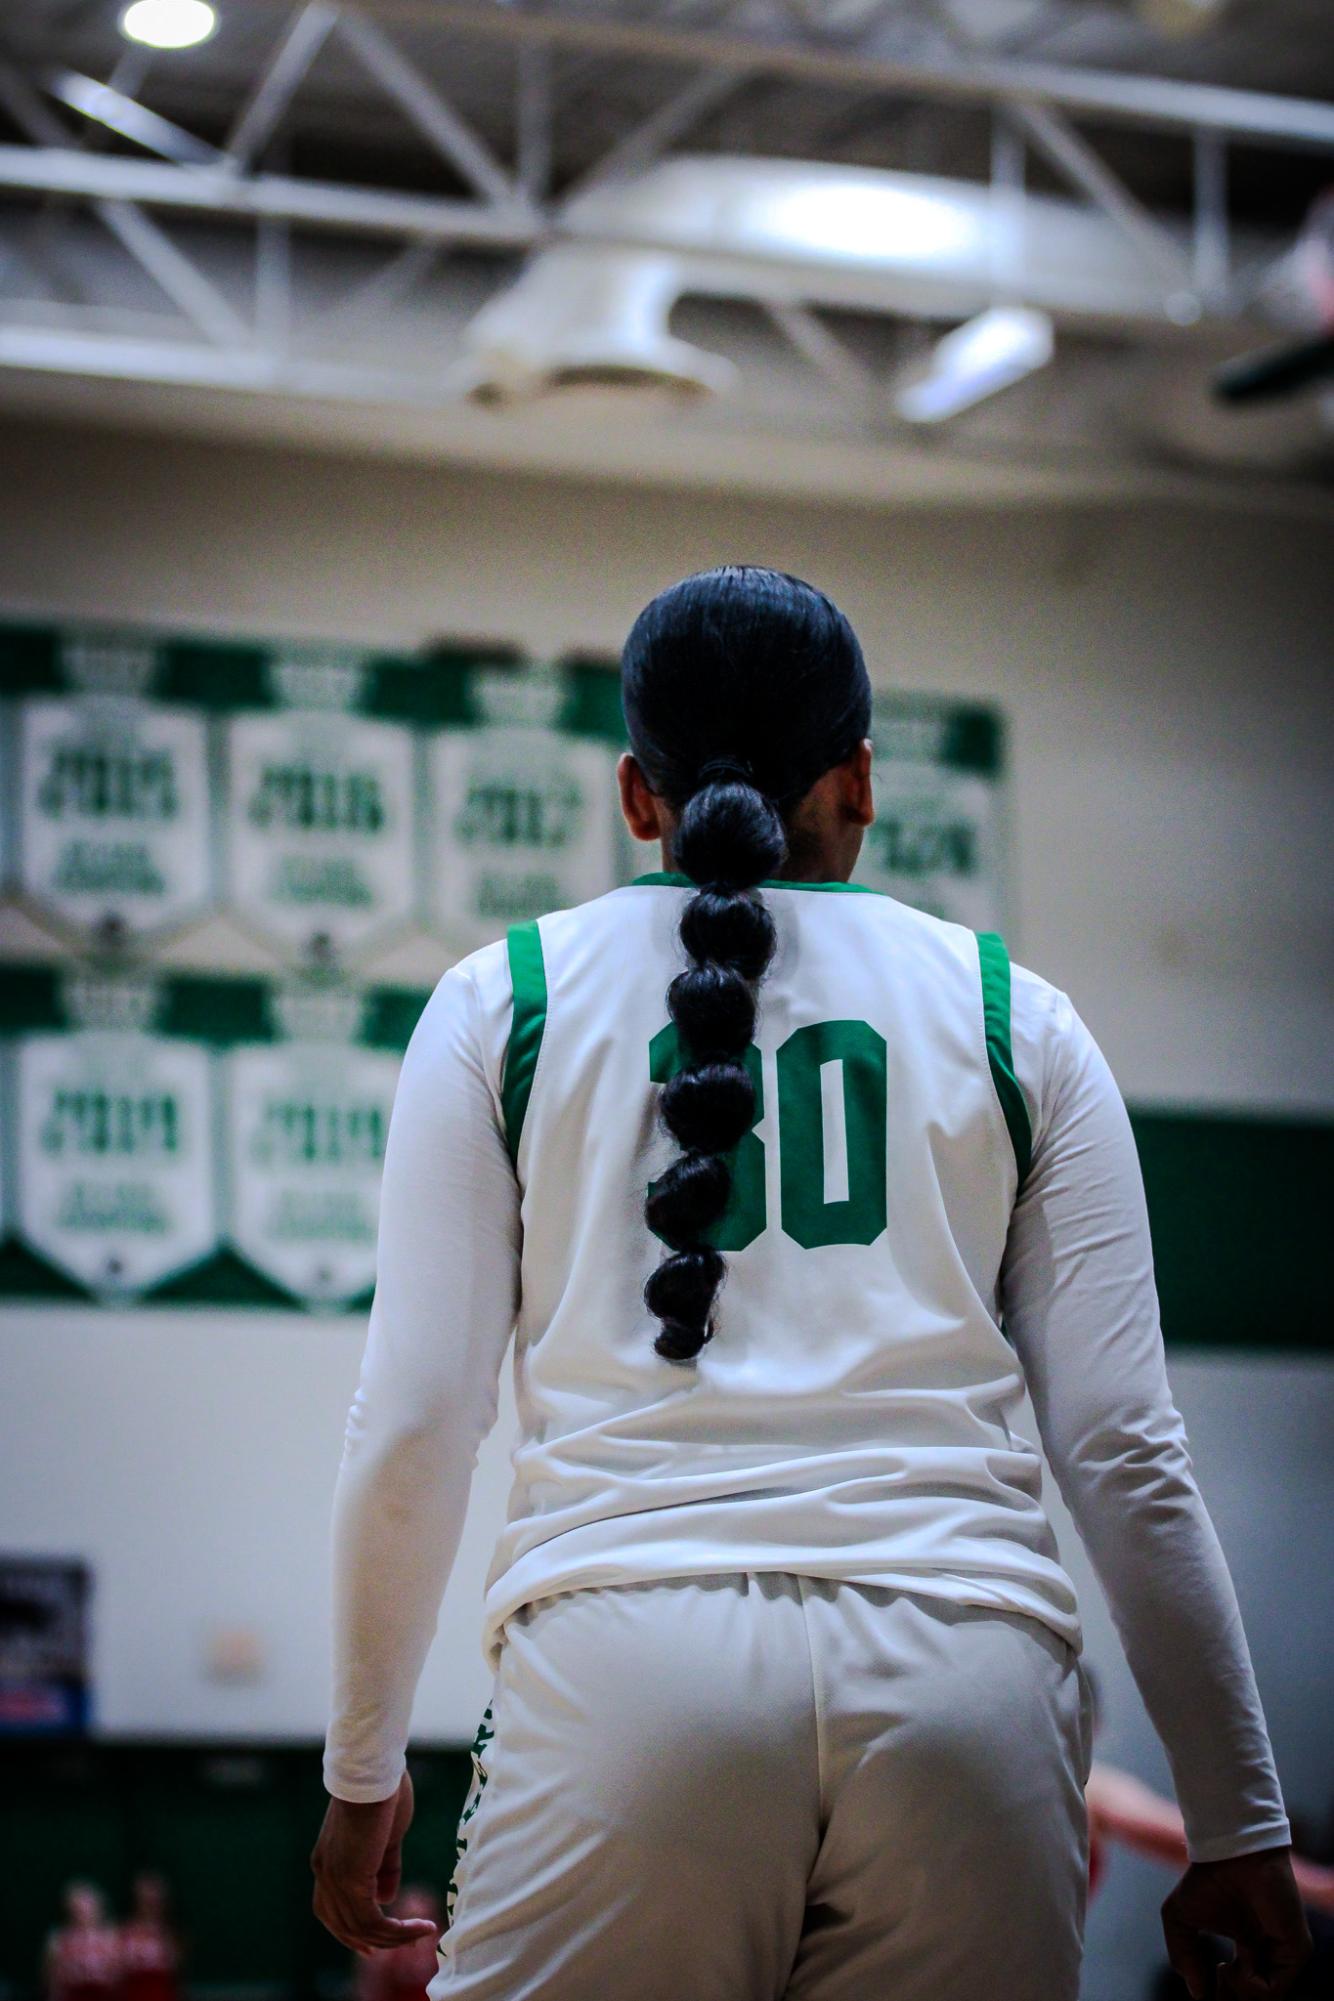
{"x":737,"y":267}
{"x":534,"y":118}
{"x":1211,"y":256}
{"x":388,"y":286}
{"x":279,"y":81}
{"x":1073,"y":157}
{"x":273,"y":285}
{"x":1135,"y":100}
{"x":183,"y":283}
{"x":250,"y":365}
{"x":642,"y":144}
{"x":175,"y":273}
{"x":816,"y":342}
{"x":216,"y":191}
{"x":134,"y":121}
{"x":420,"y":101}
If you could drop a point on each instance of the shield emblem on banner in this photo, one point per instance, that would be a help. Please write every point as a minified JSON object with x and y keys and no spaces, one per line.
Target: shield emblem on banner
{"x":117,"y":1183}
{"x":114,"y":811}
{"x":321,"y":809}
{"x":523,"y":823}
{"x":307,"y":1123}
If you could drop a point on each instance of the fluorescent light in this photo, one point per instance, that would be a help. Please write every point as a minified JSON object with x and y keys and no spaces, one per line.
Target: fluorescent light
{"x":168,"y":24}
{"x":853,"y":218}
{"x":976,"y":360}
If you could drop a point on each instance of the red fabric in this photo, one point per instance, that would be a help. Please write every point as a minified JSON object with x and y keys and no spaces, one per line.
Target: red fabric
{"x":149,"y":1961}
{"x":152,"y":1984}
{"x":400,"y":1973}
{"x":85,"y":1963}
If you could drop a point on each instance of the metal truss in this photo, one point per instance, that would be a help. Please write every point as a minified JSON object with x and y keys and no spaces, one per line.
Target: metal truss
{"x":227,"y":333}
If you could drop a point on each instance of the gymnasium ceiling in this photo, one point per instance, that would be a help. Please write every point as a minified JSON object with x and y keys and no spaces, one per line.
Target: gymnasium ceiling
{"x":559,"y":95}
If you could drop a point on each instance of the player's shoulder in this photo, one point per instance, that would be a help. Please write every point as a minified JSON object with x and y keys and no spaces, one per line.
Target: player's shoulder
{"x":1038,"y":1002}
{"x":581,"y":935}
{"x":529,"y":958}
{"x":467,"y":1007}
{"x":1049,"y":1040}
{"x":912,"y":935}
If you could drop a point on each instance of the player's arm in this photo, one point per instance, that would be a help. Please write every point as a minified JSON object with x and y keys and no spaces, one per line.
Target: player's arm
{"x":445,"y":1303}
{"x":1080,"y":1304}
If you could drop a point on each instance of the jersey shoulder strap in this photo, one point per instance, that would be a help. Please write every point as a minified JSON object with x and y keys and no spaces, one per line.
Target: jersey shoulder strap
{"x":528,"y":976}
{"x":994,"y":962}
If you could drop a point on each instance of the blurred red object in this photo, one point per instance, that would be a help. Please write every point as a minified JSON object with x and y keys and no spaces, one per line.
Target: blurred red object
{"x":401,"y":1973}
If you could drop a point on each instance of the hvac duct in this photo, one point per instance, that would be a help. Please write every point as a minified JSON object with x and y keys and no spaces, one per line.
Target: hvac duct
{"x":781,"y":230}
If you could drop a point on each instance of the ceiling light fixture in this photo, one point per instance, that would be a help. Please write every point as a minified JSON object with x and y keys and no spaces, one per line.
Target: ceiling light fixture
{"x":168,"y":24}
{"x":976,"y":360}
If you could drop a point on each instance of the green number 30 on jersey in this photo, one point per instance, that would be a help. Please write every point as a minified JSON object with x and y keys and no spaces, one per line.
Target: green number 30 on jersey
{"x":831,"y":1087}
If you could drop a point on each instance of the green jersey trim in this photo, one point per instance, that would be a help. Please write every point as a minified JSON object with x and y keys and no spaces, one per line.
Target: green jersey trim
{"x":528,"y":975}
{"x":995,"y":965}
{"x":673,"y":880}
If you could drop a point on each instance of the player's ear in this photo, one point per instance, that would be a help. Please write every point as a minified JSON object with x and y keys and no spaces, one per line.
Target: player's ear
{"x":857,"y":801}
{"x":638,"y":803}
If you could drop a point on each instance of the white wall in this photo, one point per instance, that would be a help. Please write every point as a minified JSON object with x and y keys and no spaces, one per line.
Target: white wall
{"x":1165,"y":677}
{"x":1165,"y":681}
{"x":191,"y":1460}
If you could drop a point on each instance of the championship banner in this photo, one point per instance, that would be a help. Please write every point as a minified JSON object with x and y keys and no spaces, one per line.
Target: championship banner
{"x":187,"y":1139}
{"x":113,"y":795}
{"x":329,"y":801}
{"x":175,"y":808}
{"x":321,"y":835}
{"x":115,"y":1162}
{"x":939,"y":838}
{"x":524,"y":807}
{"x":307,"y":1120}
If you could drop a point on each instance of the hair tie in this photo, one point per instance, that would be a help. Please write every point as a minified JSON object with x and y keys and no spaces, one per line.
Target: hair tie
{"x":719,"y":769}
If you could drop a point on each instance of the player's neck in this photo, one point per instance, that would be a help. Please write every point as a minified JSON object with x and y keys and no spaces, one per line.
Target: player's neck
{"x":808,"y":861}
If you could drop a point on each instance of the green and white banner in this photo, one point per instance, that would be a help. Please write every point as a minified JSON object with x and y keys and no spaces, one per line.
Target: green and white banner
{"x":174,"y":809}
{"x":181,"y":1138}
{"x":307,"y":1120}
{"x":114,"y":1163}
{"x":520,"y":807}
{"x":329,"y":802}
{"x":939,"y":838}
{"x":320,"y":835}
{"x":113,"y":812}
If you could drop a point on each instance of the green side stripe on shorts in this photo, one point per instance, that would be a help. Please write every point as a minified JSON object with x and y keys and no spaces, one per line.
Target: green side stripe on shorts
{"x":995,"y":963}
{"x":528,"y":975}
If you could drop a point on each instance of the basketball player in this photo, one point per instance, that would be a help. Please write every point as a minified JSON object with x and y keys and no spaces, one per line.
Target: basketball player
{"x":789,"y":1191}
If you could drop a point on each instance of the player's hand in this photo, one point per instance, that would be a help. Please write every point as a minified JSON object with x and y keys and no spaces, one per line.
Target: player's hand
{"x":1252,"y":1900}
{"x":358,"y":1865}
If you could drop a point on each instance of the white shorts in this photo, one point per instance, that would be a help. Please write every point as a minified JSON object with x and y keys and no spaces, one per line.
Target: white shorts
{"x":761,"y":1787}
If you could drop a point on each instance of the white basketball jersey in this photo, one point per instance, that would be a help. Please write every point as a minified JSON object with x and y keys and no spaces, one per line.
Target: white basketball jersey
{"x":852,"y":1416}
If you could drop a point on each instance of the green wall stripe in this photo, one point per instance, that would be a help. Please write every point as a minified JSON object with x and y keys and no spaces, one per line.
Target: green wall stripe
{"x":529,"y":977}
{"x":995,"y":963}
{"x":1240,"y":1206}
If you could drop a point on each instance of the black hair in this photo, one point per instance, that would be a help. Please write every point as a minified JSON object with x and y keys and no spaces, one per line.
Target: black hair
{"x":741,"y":687}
